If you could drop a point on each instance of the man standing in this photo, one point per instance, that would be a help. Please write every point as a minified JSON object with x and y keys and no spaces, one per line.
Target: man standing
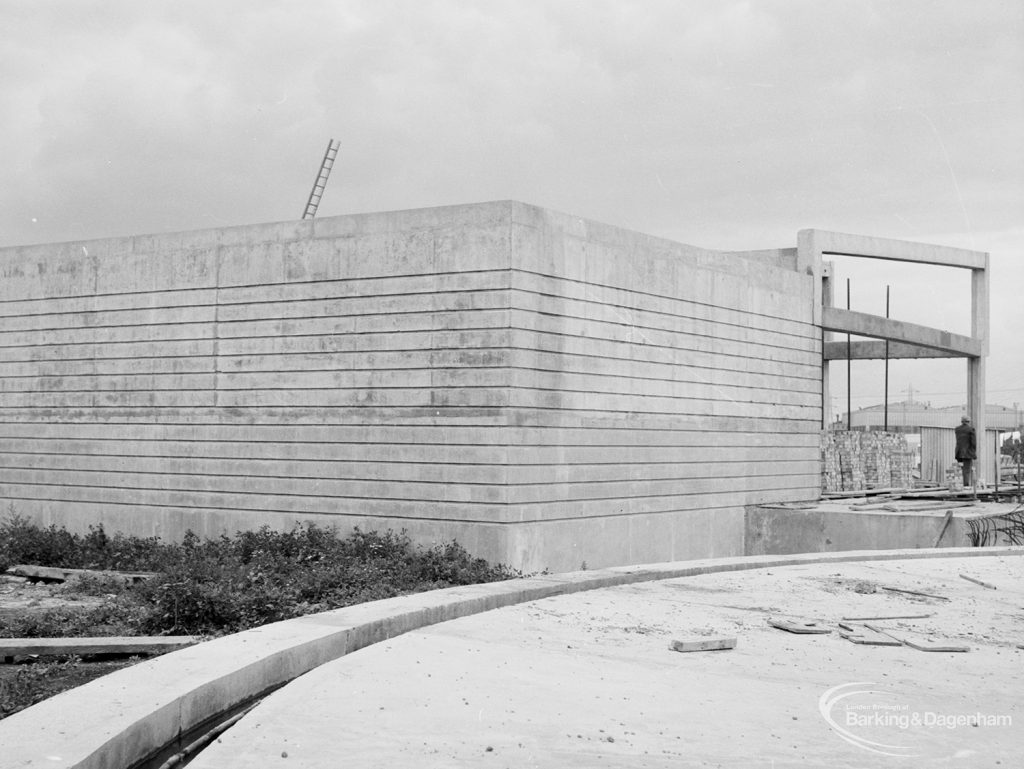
{"x":966,"y":448}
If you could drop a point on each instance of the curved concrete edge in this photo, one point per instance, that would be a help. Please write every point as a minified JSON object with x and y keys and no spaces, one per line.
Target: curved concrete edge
{"x":123,"y":718}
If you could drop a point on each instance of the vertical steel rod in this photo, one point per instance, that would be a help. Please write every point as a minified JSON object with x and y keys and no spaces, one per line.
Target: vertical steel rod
{"x":849,"y":356}
{"x":885,"y":425}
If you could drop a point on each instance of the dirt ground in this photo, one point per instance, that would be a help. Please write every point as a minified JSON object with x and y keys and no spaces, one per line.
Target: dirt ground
{"x":589,"y":680}
{"x":19,"y":596}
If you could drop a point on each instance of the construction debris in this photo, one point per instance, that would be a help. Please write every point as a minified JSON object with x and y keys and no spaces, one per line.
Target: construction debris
{"x":703,"y":645}
{"x":914,"y":592}
{"x":945,"y":525}
{"x":57,"y":574}
{"x":921,"y":646}
{"x":867,"y":636}
{"x":798,"y":627}
{"x":896,"y":616}
{"x":978,"y":582}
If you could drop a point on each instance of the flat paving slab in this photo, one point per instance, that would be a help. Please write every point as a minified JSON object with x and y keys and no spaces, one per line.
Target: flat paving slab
{"x":589,"y":679}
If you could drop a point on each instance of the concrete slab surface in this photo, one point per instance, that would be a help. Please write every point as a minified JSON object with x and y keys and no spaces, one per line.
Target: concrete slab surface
{"x":588,"y":679}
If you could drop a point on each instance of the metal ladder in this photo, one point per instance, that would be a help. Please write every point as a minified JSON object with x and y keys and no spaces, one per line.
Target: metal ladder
{"x":321,"y":180}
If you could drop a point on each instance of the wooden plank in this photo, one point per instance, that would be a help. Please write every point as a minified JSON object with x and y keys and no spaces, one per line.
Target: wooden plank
{"x":945,"y":525}
{"x":11,"y":647}
{"x":59,"y":574}
{"x":978,"y":582}
{"x":922,"y":646}
{"x":914,"y":592}
{"x":702,"y":645}
{"x":894,"y":616}
{"x":802,"y":628}
{"x":868,"y":637}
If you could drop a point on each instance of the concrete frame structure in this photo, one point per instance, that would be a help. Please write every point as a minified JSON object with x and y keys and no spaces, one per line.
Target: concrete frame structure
{"x":907,"y":340}
{"x":551,"y":392}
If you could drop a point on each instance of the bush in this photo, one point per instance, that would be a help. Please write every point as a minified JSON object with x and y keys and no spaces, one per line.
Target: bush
{"x":113,"y":617}
{"x":22,"y":541}
{"x":227,"y":584}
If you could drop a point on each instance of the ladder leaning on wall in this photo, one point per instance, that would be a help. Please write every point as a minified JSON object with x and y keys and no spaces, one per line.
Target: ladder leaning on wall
{"x":321,"y":179}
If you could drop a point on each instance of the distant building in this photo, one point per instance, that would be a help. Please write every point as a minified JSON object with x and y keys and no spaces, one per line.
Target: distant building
{"x":909,"y":416}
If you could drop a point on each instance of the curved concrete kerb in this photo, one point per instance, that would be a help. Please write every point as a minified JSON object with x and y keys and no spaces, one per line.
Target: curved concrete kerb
{"x":126,"y":717}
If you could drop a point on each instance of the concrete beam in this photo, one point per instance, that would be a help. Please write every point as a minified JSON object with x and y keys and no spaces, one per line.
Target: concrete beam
{"x":842,"y":244}
{"x":863,"y":324}
{"x":871,"y":350}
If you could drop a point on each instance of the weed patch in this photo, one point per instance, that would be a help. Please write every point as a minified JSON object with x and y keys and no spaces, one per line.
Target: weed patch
{"x":217,"y":586}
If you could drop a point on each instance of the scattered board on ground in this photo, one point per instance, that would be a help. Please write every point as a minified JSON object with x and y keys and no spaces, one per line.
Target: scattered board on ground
{"x":978,"y":582}
{"x":867,"y":636}
{"x":893,"y":616}
{"x":58,"y":574}
{"x":914,"y":592}
{"x":921,"y":646}
{"x":703,"y":645}
{"x":798,"y":627}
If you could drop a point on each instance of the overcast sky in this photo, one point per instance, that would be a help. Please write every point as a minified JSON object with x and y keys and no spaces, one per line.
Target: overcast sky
{"x":717,"y":123}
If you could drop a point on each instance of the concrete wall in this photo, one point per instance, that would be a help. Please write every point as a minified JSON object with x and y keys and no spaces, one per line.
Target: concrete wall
{"x":549,"y":391}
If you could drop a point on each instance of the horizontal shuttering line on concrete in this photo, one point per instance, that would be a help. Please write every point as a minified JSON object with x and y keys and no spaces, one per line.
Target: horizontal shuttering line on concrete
{"x":90,"y":308}
{"x":697,"y":350}
{"x":126,"y":324}
{"x":24,"y":369}
{"x":447,"y":484}
{"x":423,"y":398}
{"x":275,"y":345}
{"x":143,"y":317}
{"x":444,"y":368}
{"x":655,"y":301}
{"x":434,"y":416}
{"x":148,"y":520}
{"x":687,"y":382}
{"x":124,"y":383}
{"x":321,"y":437}
{"x":694,"y":463}
{"x":728,"y":322}
{"x":759,"y":345}
{"x":170,"y":349}
{"x":167,"y":340}
{"x":120,"y":266}
{"x":452,"y":416}
{"x":632,"y":260}
{"x":655,"y":347}
{"x":194,"y":329}
{"x":259,"y":320}
{"x":698,"y":495}
{"x":167,"y":373}
{"x":438,"y":320}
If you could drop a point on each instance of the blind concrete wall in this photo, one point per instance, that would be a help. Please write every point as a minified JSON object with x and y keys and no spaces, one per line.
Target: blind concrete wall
{"x":546,"y":390}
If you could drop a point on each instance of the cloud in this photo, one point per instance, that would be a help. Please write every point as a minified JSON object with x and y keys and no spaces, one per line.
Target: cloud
{"x":725,"y":124}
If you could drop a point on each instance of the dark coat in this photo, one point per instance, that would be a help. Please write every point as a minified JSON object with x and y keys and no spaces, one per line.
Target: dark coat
{"x":966,"y":443}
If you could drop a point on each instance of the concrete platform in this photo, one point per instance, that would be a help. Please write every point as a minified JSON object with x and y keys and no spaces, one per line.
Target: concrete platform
{"x":588,"y":679}
{"x":865,"y":523}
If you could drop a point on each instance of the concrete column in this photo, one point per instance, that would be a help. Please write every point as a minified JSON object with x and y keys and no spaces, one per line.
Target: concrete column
{"x":976,"y":365}
{"x":827,"y":298}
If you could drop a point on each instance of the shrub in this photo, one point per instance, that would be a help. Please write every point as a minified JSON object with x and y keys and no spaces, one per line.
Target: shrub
{"x":224,"y":585}
{"x":22,"y":541}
